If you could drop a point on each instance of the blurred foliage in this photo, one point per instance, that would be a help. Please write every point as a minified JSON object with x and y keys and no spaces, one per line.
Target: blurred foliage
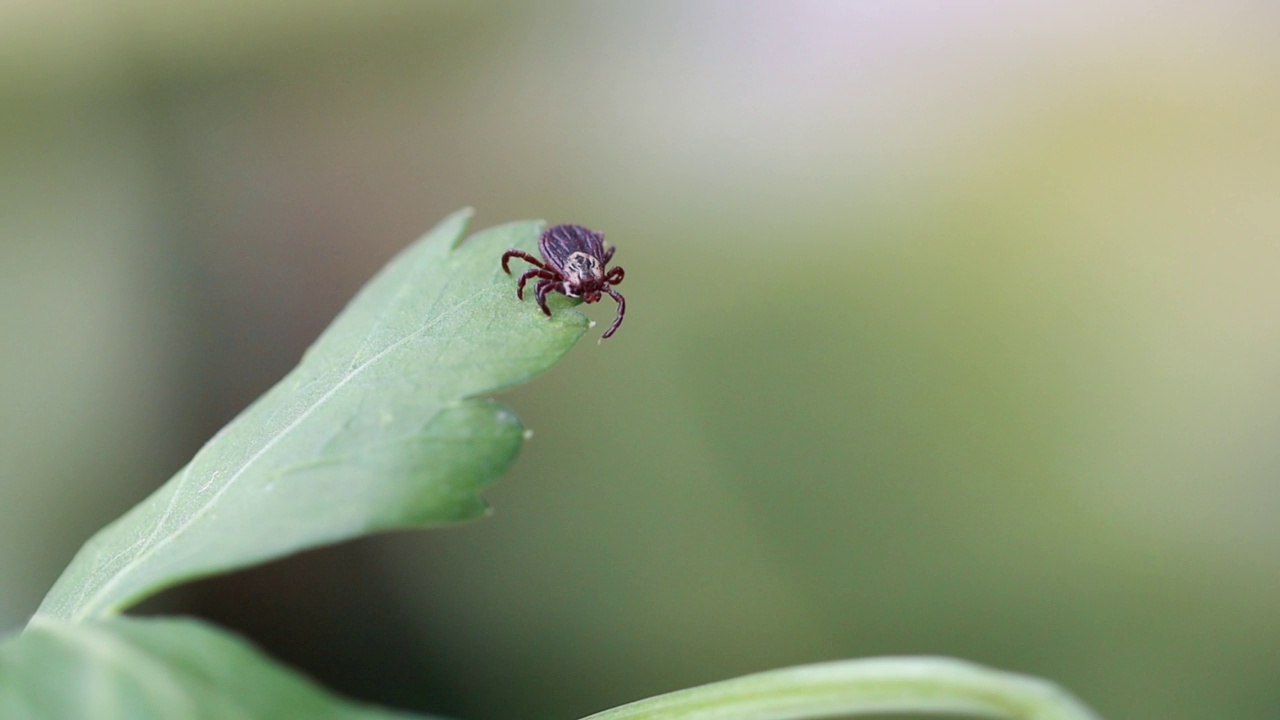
{"x":950,"y":330}
{"x":156,"y":668}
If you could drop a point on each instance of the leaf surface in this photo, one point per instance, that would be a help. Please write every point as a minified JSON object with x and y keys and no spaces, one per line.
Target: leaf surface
{"x":163,"y":669}
{"x":378,"y":428}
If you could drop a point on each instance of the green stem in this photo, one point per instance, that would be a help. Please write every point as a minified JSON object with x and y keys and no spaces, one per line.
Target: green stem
{"x":860,"y":687}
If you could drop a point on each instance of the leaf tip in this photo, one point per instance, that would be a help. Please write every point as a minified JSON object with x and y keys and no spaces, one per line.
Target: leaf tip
{"x":461,"y":218}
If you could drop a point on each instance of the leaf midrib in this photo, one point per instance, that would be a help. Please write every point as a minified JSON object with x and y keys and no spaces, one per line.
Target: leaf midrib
{"x":87,"y":609}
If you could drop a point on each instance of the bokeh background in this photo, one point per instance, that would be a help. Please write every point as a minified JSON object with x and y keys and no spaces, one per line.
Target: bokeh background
{"x":952,"y":329}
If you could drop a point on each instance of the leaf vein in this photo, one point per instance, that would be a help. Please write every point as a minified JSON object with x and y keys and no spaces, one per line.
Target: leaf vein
{"x":89,"y":606}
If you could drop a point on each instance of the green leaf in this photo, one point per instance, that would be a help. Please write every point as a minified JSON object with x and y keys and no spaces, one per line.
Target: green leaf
{"x":378,"y":428}
{"x":864,"y":687}
{"x":164,"y":669}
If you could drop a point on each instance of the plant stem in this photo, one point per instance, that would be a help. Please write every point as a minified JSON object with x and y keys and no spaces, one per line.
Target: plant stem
{"x":861,"y":687}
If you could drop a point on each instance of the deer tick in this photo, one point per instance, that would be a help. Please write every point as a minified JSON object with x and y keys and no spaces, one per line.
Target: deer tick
{"x":574,"y":262}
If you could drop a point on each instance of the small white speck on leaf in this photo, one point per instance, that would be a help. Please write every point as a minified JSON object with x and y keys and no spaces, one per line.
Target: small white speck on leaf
{"x":212,"y":479}
{"x":528,"y":434}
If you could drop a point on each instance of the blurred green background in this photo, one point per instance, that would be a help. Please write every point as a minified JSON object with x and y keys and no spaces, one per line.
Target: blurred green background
{"x":952,"y":329}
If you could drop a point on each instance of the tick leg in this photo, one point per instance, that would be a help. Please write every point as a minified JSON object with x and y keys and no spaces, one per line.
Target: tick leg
{"x":506,"y":258}
{"x":622,"y":310}
{"x":534,"y":273}
{"x":608,"y":254}
{"x":541,"y":294}
{"x":614,"y":276}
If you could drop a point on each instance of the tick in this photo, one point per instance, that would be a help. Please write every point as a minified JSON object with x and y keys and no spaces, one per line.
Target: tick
{"x":573,"y":262}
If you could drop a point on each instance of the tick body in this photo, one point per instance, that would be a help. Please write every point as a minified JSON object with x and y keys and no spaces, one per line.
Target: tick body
{"x":575,"y":263}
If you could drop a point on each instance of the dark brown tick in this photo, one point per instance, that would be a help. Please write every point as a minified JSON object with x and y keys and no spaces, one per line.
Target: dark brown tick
{"x":574,"y":262}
